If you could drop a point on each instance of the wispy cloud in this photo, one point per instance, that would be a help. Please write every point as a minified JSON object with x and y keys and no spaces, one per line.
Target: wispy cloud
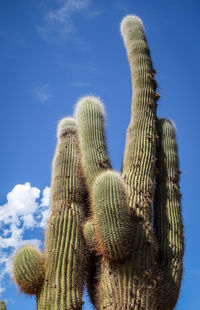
{"x":58,"y":22}
{"x":43,"y":93}
{"x":21,"y":213}
{"x":123,"y":6}
{"x":79,"y":84}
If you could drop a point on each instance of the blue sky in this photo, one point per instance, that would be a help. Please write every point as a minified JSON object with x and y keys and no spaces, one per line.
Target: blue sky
{"x":52,"y":53}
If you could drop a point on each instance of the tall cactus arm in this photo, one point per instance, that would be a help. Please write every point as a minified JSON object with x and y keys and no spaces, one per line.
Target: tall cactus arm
{"x":140,"y":149}
{"x":28,"y":269}
{"x":132,"y":285}
{"x":2,"y":305}
{"x":65,"y":254}
{"x":167,"y":214}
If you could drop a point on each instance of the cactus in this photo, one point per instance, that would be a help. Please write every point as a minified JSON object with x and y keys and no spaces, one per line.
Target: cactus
{"x":2,"y":305}
{"x":62,"y":282}
{"x":121,"y":233}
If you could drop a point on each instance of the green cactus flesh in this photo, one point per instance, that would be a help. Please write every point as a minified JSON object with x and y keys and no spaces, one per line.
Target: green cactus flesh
{"x":122,"y":234}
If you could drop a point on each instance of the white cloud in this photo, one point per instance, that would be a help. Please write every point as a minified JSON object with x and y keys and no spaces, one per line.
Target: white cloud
{"x":67,"y":8}
{"x":20,"y":201}
{"x":24,"y":211}
{"x":45,"y":201}
{"x":43,"y":93}
{"x":44,"y":218}
{"x":58,"y":23}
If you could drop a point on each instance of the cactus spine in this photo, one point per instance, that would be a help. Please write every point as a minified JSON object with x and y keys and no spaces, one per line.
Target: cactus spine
{"x":136,"y":257}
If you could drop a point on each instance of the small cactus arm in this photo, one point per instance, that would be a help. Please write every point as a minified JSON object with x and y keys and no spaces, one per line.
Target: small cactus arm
{"x":58,"y":279}
{"x":140,"y":263}
{"x":29,"y":269}
{"x":2,"y":305}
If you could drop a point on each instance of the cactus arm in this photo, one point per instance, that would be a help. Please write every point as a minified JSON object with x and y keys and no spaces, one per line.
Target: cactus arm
{"x":132,"y":285}
{"x":29,"y":270}
{"x":2,"y":305}
{"x":167,"y":219}
{"x":114,"y":227}
{"x":65,"y":255}
{"x":90,"y":119}
{"x":140,"y":149}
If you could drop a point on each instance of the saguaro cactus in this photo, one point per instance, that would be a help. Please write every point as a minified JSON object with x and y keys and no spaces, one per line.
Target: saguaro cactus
{"x":133,"y":232}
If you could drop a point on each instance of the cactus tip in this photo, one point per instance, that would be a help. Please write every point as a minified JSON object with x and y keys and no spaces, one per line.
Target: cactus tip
{"x":64,"y":125}
{"x":93,"y":100}
{"x":108,"y":174}
{"x":128,"y":22}
{"x":168,"y":125}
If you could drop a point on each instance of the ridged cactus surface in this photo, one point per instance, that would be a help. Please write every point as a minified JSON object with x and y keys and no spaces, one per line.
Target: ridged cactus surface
{"x":120,"y":233}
